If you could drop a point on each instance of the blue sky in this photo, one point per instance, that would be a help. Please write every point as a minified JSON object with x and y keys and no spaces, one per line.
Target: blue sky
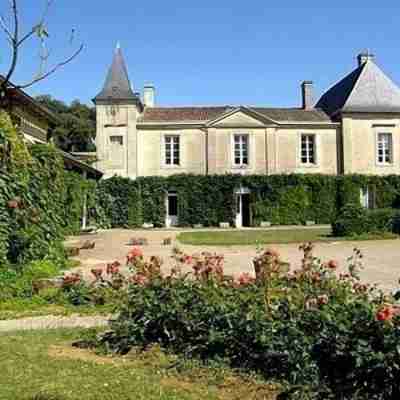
{"x":213,"y":52}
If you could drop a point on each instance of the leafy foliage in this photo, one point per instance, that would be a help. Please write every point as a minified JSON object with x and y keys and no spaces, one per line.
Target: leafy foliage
{"x":40,"y":202}
{"x":209,"y":200}
{"x":327,"y":336}
{"x":356,"y":220}
{"x":77,"y":127}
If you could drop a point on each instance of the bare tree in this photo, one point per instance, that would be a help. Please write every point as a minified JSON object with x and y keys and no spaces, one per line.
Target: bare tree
{"x":12,"y":30}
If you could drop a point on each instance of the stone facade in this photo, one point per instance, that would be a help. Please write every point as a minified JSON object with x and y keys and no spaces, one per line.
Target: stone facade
{"x":334,"y":137}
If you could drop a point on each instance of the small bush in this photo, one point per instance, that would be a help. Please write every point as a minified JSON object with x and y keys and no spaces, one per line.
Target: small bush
{"x":332,"y":337}
{"x":20,"y":284}
{"x":352,"y":220}
{"x":355,"y":220}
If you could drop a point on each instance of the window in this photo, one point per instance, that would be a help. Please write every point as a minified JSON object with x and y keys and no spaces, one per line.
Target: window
{"x":172,"y":149}
{"x":385,"y":148}
{"x":118,"y":140}
{"x":307,"y":151}
{"x":241,"y":149}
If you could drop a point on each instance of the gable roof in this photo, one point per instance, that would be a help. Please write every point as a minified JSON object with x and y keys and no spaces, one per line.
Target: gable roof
{"x":117,"y":85}
{"x":366,"y":89}
{"x":205,"y":114}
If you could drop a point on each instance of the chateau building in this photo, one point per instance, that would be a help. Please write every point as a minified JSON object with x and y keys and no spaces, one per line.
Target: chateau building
{"x":353,"y":128}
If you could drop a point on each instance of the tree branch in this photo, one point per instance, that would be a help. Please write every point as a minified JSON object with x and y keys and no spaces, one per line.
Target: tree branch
{"x":5,"y":29}
{"x":27,"y":36}
{"x":14,"y":43}
{"x":52,"y":70}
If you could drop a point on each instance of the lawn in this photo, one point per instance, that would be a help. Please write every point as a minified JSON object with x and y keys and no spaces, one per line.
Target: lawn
{"x":35,"y":307}
{"x":44,"y":366}
{"x":254,"y":237}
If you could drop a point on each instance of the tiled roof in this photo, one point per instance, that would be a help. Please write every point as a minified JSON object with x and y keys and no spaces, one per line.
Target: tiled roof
{"x":183,"y":114}
{"x":366,"y":89}
{"x":203,"y":114}
{"x":293,"y":114}
{"x":117,"y":85}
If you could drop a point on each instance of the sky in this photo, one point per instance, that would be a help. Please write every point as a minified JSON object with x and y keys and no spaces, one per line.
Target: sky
{"x":213,"y":52}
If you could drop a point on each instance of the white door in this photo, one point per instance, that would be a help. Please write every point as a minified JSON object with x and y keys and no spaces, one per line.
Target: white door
{"x":172,"y":210}
{"x":239,"y":215}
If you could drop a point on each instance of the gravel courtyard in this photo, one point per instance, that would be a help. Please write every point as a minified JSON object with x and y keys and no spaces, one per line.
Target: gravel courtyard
{"x":381,"y":258}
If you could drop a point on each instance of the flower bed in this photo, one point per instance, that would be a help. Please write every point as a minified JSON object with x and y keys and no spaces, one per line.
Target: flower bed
{"x":324,"y":333}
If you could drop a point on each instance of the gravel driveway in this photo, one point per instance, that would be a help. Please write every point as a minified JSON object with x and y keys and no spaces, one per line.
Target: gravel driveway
{"x":381,"y":258}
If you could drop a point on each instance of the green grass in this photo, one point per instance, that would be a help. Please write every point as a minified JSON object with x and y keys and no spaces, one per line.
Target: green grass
{"x":34,"y":307}
{"x":43,"y":366}
{"x":254,"y":237}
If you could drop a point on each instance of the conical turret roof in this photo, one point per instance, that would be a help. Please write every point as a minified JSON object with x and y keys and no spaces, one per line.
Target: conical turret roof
{"x":117,"y":85}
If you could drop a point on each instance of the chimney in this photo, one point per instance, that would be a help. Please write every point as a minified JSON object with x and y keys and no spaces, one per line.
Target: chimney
{"x":149,"y":94}
{"x":307,"y":89}
{"x":364,"y":57}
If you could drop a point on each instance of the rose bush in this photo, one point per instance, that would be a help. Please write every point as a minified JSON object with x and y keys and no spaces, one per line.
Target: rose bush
{"x":322,"y":332}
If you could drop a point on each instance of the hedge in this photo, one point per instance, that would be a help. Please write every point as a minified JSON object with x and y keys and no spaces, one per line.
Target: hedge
{"x":209,"y":200}
{"x":40,"y":202}
{"x":356,"y":220}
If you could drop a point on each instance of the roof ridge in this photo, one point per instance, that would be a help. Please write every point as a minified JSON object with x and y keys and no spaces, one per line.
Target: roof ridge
{"x":362,"y":71}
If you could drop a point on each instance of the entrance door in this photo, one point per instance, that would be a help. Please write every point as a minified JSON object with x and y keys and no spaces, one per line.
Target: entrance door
{"x":239,"y":215}
{"x":242,"y":208}
{"x":172,"y":210}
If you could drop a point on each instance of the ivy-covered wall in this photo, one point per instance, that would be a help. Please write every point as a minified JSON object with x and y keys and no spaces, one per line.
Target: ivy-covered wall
{"x":40,"y":202}
{"x":209,"y":200}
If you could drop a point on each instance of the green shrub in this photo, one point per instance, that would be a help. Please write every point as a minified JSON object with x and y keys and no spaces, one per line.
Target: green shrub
{"x":328,"y":336}
{"x":352,"y":220}
{"x":209,"y":200}
{"x":290,"y":206}
{"x":356,"y":220}
{"x":40,"y":202}
{"x":381,"y":220}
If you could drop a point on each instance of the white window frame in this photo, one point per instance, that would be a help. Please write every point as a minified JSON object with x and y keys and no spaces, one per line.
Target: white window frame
{"x":241,"y":143}
{"x":384,"y":162}
{"x":171,"y":145}
{"x":315,"y":150}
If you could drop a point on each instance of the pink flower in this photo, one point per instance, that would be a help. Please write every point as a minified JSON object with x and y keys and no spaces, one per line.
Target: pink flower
{"x":140,"y":279}
{"x":245,"y":279}
{"x":188,"y":259}
{"x":135,"y":253}
{"x":332,"y":264}
{"x":113,"y":268}
{"x":386,"y":313}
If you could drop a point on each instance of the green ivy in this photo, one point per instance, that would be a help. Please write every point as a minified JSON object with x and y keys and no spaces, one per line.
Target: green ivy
{"x":40,"y":202}
{"x":209,"y":200}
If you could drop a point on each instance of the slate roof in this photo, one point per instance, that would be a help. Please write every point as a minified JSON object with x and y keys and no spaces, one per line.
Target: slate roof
{"x":117,"y":85}
{"x":204,"y":114}
{"x":366,"y":89}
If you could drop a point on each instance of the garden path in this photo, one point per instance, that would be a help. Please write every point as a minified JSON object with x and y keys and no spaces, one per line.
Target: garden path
{"x":381,"y":258}
{"x":52,"y":322}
